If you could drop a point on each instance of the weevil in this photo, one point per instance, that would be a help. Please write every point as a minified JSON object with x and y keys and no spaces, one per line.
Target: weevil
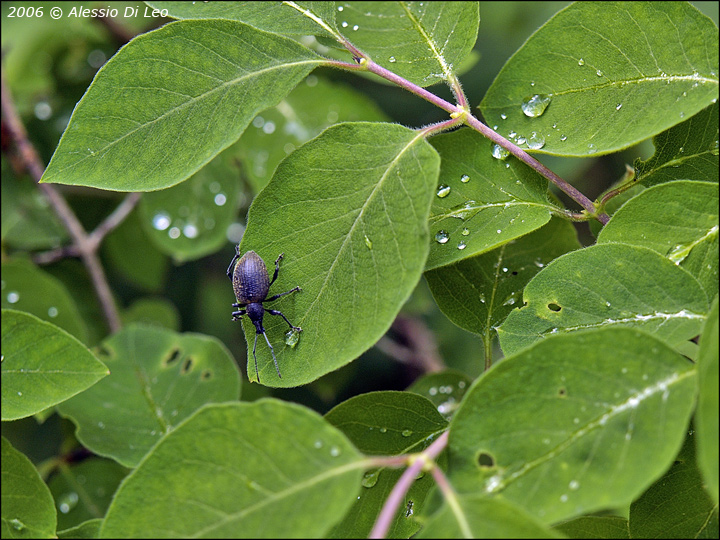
{"x":249,"y":277}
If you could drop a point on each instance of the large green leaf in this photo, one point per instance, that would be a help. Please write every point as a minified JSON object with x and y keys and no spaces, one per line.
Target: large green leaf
{"x":481,"y":202}
{"x":676,"y":506}
{"x":27,"y":288}
{"x":349,"y":210}
{"x":240,"y":470}
{"x":27,"y":505}
{"x":42,"y":365}
{"x":158,"y":378}
{"x":597,"y":416}
{"x":386,"y":423}
{"x":278,"y":17}
{"x":600,"y":286}
{"x":597,"y":526}
{"x":615,"y":73}
{"x":478,"y":293}
{"x":706,"y":417}
{"x":476,"y":516}
{"x":421,"y":41}
{"x":678,"y":220}
{"x":688,"y":150}
{"x":170,"y":100}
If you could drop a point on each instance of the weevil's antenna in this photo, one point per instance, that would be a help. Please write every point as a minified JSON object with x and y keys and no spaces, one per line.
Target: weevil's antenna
{"x":257,"y":373}
{"x":277,"y":368}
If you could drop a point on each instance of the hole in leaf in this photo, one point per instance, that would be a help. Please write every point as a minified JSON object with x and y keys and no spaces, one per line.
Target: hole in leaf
{"x":513,"y":273}
{"x":187,"y":365}
{"x":173,"y":357}
{"x":206,"y":375}
{"x":562,"y":392}
{"x":486,"y":460}
{"x":554,"y":307}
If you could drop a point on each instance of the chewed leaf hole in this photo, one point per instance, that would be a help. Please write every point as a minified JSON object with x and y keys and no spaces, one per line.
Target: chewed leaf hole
{"x":187,"y":365}
{"x":562,"y":391}
{"x":486,"y":460}
{"x":206,"y":375}
{"x":554,"y":307}
{"x":173,"y":357}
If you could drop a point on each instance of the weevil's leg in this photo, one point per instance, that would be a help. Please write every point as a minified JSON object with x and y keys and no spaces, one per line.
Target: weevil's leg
{"x":276,"y":312}
{"x":257,"y":373}
{"x":277,"y":268}
{"x":296,"y":289}
{"x":239,"y":305}
{"x":277,"y":368}
{"x":232,"y":263}
{"x":237,"y":315}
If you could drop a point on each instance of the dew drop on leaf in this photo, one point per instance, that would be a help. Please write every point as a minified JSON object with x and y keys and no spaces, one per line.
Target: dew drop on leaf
{"x":368,"y":242}
{"x":498,"y":152}
{"x":536,"y":141}
{"x":533,"y":106}
{"x":464,"y":178}
{"x":462,"y":245}
{"x":443,"y":191}
{"x":292,"y":337}
{"x":465,"y":231}
{"x":581,"y":62}
{"x":441,"y":237}
{"x":370,"y":478}
{"x":161,"y":221}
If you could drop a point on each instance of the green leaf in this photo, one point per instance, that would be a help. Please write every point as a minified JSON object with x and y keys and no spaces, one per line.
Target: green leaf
{"x":600,"y":286}
{"x":616,"y":73}
{"x":478,"y":293}
{"x":277,"y":17}
{"x":386,"y":423}
{"x":27,"y":288}
{"x":596,"y":527}
{"x":349,"y":210}
{"x":158,"y":378}
{"x":190,"y":220}
{"x":312,"y":106}
{"x":688,"y":150}
{"x":481,"y":202}
{"x":678,"y":220}
{"x":706,"y":416}
{"x":170,"y":100}
{"x":444,"y":389}
{"x":265,"y":469}
{"x":597,"y":416}
{"x":42,"y":365}
{"x":421,"y":41}
{"x":676,"y":506}
{"x":27,"y":506}
{"x":83,"y":491}
{"x":477,"y":516}
{"x":89,"y":529}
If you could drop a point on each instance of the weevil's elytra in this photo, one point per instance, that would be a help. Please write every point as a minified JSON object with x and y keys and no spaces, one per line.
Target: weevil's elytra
{"x":249,"y":277}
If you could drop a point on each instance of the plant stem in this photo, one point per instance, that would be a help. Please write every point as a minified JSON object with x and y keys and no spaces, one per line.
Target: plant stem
{"x":85,"y":247}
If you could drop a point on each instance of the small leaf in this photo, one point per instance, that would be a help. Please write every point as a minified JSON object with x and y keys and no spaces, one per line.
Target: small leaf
{"x":600,"y":286}
{"x":172,"y":99}
{"x":353,"y":182}
{"x":477,"y":516}
{"x":27,"y":505}
{"x":158,"y":378}
{"x":42,"y":365}
{"x":30,"y":289}
{"x":481,"y":202}
{"x":421,"y":41}
{"x":678,"y":220}
{"x":597,"y":416}
{"x":478,"y":293}
{"x":657,"y":512}
{"x":265,"y":469}
{"x":616,"y":73}
{"x":688,"y":150}
{"x":706,"y":416}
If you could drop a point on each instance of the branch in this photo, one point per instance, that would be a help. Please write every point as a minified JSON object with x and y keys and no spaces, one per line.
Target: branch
{"x":81,"y":241}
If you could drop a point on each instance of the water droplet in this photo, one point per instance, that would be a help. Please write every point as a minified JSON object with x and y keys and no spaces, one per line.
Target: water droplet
{"x":581,"y":62}
{"x":356,"y":27}
{"x":17,"y":524}
{"x":368,"y":242}
{"x":677,"y":254}
{"x":318,"y":444}
{"x":190,"y":231}
{"x":498,"y":152}
{"x":19,"y":393}
{"x":406,"y":432}
{"x":591,"y":148}
{"x":292,"y":337}
{"x":521,"y":140}
{"x":335,"y":451}
{"x":383,"y":430}
{"x":503,"y":116}
{"x":344,"y":24}
{"x":462,"y":245}
{"x":535,"y":105}
{"x":563,"y":498}
{"x":682,"y":115}
{"x":536,"y":141}
{"x":370,"y":478}
{"x":462,"y":211}
{"x":161,"y":221}
{"x":443,"y":191}
{"x":340,"y":8}
{"x":464,"y":178}
{"x":13,"y":297}
{"x":441,"y":237}
{"x":101,"y":425}
{"x":465,"y":231}
{"x":409,"y":509}
{"x":563,"y":138}
{"x":599,"y":73}
{"x":52,"y":311}
{"x":220,"y":199}
{"x":174,"y":233}
{"x":392,"y":60}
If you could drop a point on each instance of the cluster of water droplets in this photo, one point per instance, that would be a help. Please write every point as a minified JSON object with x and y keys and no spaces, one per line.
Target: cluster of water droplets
{"x":190,"y":220}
